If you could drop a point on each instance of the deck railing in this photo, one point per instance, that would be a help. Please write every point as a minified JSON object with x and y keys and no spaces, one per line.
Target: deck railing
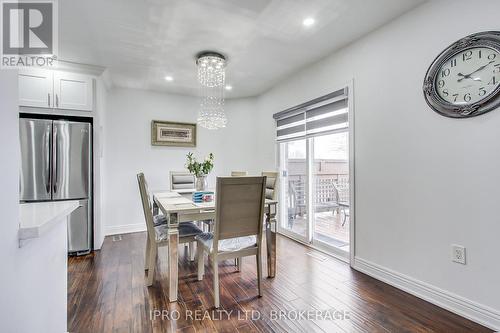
{"x":328,"y":188}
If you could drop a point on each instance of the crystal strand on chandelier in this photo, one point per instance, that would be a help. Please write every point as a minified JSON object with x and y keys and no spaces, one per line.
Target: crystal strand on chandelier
{"x":211,"y":74}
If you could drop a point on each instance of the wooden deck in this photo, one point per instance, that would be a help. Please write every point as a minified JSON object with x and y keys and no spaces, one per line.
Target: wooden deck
{"x":327,"y":224}
{"x":107,"y":293}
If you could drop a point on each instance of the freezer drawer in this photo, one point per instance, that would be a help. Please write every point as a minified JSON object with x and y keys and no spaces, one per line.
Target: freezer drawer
{"x":35,"y":137}
{"x":80,"y":228}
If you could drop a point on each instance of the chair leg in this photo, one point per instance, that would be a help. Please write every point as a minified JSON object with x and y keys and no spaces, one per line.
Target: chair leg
{"x":259,"y":273}
{"x":201,"y":261}
{"x":195,"y":247}
{"x":151,"y":264}
{"x":191,"y":251}
{"x":215,"y":269}
{"x":238,"y":263}
{"x":146,"y":256}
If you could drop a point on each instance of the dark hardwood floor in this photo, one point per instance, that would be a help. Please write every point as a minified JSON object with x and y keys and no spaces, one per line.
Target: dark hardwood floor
{"x":107,"y":294}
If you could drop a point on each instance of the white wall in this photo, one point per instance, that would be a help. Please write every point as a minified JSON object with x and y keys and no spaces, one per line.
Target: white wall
{"x":33,"y":278}
{"x":128,"y":148}
{"x":100,"y":110}
{"x":423,"y":182}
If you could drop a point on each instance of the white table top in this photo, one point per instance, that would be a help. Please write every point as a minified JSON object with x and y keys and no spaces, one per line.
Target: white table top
{"x":175,"y":203}
{"x":39,"y":217}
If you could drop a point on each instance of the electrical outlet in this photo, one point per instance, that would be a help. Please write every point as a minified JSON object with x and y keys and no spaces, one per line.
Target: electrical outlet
{"x":458,"y":254}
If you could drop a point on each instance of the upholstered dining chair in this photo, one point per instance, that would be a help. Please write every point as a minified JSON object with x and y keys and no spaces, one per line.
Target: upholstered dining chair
{"x":182,"y":182}
{"x":271,"y":193}
{"x":157,"y":235}
{"x":271,"y":184}
{"x":238,"y":226}
{"x":237,"y":261}
{"x":239,"y":173}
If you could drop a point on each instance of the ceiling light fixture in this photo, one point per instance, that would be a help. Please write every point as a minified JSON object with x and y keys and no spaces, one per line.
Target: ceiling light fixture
{"x":212,"y":78}
{"x":228,"y":87}
{"x":169,"y":78}
{"x":308,"y":22}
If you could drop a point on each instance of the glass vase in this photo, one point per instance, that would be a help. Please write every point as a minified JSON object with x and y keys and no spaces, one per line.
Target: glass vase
{"x":201,"y":183}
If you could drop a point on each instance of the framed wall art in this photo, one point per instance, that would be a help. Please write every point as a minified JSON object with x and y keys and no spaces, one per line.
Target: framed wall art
{"x":166,"y":133}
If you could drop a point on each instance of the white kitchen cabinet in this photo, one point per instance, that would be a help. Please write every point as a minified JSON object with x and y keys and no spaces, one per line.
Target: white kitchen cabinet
{"x":73,"y":91}
{"x":35,"y":88}
{"x":55,"y":89}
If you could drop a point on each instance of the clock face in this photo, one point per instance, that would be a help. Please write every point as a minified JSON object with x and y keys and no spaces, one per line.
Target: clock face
{"x":469,"y":76}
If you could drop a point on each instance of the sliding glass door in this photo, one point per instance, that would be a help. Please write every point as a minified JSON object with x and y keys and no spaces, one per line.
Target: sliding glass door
{"x":315,"y":191}
{"x":330,"y":194}
{"x":293,"y":194}
{"x":314,"y":160}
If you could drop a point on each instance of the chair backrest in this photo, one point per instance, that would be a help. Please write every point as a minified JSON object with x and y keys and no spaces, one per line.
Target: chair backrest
{"x":239,"y":173}
{"x":271,"y":184}
{"x":326,"y":191}
{"x":146,"y":205}
{"x":239,"y":207}
{"x":181,"y":180}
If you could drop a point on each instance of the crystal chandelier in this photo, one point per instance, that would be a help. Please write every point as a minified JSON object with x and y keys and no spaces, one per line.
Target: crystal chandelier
{"x":212,"y":78}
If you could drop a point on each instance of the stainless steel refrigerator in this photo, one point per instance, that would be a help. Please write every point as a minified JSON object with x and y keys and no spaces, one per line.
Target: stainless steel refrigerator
{"x":57,"y":165}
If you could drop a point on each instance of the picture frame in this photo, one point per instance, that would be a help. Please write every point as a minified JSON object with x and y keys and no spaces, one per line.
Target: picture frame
{"x":173,"y":134}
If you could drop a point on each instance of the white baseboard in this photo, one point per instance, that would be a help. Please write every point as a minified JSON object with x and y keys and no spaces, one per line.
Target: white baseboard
{"x":479,"y":313}
{"x":125,"y":229}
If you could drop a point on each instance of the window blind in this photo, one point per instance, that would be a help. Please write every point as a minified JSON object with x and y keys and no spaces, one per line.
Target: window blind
{"x":326,"y":114}
{"x":291,"y":127}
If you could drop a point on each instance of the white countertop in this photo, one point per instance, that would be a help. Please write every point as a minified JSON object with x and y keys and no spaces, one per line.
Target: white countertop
{"x":39,"y":217}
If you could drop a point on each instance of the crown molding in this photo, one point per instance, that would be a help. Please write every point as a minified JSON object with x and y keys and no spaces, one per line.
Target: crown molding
{"x":79,"y":68}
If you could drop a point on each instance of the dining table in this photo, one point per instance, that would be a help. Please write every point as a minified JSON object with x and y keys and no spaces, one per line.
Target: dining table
{"x":179,"y":208}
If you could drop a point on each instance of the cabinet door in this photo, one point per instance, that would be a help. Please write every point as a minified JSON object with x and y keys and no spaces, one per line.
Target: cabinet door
{"x":35,"y":88}
{"x":73,"y":91}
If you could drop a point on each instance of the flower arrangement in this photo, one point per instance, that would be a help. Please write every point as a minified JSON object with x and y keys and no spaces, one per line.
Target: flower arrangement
{"x":200,"y":169}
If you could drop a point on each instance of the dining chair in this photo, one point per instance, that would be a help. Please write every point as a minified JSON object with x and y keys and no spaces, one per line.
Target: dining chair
{"x":182,"y":182}
{"x":271,"y":184}
{"x":237,"y":228}
{"x":271,"y":193}
{"x":237,"y":261}
{"x":239,"y":173}
{"x":157,"y":235}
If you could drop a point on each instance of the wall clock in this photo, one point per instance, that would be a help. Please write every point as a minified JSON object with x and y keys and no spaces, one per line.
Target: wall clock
{"x":464,"y":80}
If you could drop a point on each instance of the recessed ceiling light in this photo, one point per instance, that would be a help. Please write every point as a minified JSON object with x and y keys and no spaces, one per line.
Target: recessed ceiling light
{"x":308,"y":22}
{"x":169,"y":78}
{"x":228,"y":87}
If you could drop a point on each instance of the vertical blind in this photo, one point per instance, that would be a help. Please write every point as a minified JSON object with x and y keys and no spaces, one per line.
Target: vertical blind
{"x":326,"y":114}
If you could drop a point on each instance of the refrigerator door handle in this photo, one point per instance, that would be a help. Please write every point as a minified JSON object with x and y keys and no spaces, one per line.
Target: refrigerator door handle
{"x":47,"y":161}
{"x":54,"y":161}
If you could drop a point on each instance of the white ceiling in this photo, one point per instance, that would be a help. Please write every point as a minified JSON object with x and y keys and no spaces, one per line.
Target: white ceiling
{"x":142,"y":41}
